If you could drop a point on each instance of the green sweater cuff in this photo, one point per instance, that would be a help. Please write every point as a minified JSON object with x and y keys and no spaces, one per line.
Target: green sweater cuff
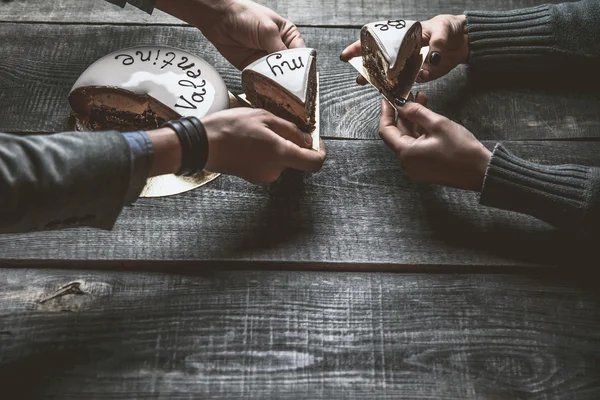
{"x":566,"y":196}
{"x":497,"y":36}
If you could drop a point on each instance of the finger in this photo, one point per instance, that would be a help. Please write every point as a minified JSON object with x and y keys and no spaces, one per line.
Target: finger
{"x":256,"y":55}
{"x":436,"y":65}
{"x":426,"y":27}
{"x":303,"y":159}
{"x":424,"y":76}
{"x":388,"y":116}
{"x":405,"y":126}
{"x":361,"y":80}
{"x":272,"y":39}
{"x":389,"y":132}
{"x":419,"y":115}
{"x":438,"y":44}
{"x":354,"y":50}
{"x":291,"y":36}
{"x":391,"y":125}
{"x":420,"y":98}
{"x":289,"y":131}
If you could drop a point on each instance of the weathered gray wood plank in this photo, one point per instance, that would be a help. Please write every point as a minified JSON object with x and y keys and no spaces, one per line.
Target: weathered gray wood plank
{"x":310,"y":12}
{"x":40,"y":63}
{"x":273,"y":335}
{"x":359,"y":211}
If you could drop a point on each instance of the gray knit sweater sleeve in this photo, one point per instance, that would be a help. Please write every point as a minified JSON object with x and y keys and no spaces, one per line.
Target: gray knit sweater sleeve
{"x":566,"y":196}
{"x":561,"y":36}
{"x":145,"y":5}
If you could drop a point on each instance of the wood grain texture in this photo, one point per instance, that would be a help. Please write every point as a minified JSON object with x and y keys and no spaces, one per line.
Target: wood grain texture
{"x":359,"y":211}
{"x":310,"y":12}
{"x":40,"y":63}
{"x":273,"y":335}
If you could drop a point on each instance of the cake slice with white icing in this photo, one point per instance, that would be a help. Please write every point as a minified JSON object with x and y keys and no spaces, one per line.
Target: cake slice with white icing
{"x":142,"y":87}
{"x":285,"y":83}
{"x":391,"y":55}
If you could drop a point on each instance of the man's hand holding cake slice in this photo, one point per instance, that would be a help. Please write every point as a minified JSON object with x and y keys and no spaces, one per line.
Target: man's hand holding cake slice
{"x":242,"y":31}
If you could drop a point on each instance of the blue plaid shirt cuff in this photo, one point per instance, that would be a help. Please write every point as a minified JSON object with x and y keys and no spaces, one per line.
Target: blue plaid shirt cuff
{"x":142,"y":153}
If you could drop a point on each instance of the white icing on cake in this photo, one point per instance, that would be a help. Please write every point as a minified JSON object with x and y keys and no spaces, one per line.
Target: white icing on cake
{"x":288,"y":68}
{"x":390,"y":35}
{"x":181,"y":81}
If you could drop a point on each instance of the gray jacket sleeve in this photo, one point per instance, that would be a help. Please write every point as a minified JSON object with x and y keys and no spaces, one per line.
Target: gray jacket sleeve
{"x":63,"y":180}
{"x":145,"y":5}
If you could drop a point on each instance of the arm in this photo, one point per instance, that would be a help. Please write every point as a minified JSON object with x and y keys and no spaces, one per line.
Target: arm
{"x":563,"y":36}
{"x":85,"y":178}
{"x":241,"y":30}
{"x":434,"y":149}
{"x":566,"y":196}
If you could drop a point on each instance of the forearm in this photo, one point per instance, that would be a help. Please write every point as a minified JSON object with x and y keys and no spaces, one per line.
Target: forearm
{"x":566,"y":196}
{"x":559,"y":36}
{"x":204,"y":11}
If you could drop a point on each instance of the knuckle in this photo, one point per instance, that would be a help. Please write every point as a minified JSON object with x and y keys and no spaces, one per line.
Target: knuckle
{"x":415,"y":111}
{"x":273,"y":28}
{"x":440,"y":42}
{"x":261,"y":113}
{"x":437,"y":122}
{"x":281,"y":151}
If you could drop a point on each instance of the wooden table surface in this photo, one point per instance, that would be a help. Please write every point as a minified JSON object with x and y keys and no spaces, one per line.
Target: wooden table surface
{"x":353,"y":282}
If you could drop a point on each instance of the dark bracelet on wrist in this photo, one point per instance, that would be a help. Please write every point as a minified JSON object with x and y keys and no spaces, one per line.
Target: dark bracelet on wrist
{"x":194,"y":144}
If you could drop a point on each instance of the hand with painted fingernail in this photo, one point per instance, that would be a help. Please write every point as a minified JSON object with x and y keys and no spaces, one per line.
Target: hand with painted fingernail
{"x":432,"y":148}
{"x":354,"y":50}
{"x":446,"y":36}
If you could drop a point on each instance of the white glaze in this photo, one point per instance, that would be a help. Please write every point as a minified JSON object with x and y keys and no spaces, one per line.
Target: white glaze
{"x":357,"y":63}
{"x":389,"y":37}
{"x":288,"y":68}
{"x":163,"y":81}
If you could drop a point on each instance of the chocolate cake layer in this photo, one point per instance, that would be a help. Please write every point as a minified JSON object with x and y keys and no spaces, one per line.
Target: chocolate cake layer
{"x":101,"y":108}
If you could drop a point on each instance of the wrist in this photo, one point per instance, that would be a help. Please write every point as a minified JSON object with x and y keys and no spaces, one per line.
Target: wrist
{"x":211,"y":125}
{"x":167,"y":151}
{"x":481,"y":160}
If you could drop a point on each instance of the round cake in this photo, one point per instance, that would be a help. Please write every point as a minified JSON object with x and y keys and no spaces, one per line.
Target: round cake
{"x":140,"y":88}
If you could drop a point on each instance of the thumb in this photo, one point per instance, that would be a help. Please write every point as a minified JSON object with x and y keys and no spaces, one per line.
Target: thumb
{"x":434,"y":66}
{"x":419,"y":115}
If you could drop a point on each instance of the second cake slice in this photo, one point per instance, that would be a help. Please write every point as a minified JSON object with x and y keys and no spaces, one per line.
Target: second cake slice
{"x":285,"y":83}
